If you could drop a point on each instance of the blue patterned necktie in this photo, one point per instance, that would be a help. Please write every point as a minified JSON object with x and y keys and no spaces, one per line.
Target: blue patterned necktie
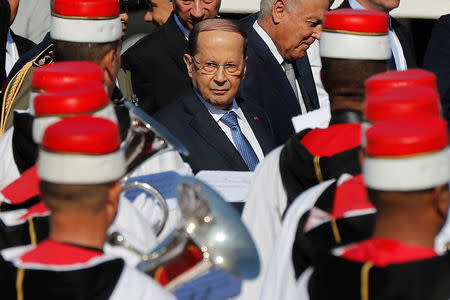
{"x":242,"y":144}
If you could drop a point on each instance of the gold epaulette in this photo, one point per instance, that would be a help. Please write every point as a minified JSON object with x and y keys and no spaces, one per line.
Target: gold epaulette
{"x":13,"y":87}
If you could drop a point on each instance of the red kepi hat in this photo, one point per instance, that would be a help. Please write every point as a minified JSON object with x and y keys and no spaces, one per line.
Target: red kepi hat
{"x":81,"y":150}
{"x":407,"y":154}
{"x":86,"y":21}
{"x":89,"y":99}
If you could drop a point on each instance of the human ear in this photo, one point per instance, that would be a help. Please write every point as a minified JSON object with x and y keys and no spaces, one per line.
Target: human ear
{"x":278,"y":11}
{"x":112,"y":201}
{"x":441,"y":201}
{"x":189,"y":64}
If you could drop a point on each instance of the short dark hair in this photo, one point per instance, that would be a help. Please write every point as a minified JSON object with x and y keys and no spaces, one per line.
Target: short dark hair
{"x":214,"y":25}
{"x":70,"y":51}
{"x":64,"y":197}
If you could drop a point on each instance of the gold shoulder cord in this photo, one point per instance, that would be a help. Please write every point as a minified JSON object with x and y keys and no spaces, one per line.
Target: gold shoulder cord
{"x":11,"y":93}
{"x":13,"y":88}
{"x":365,"y":280}
{"x":32,"y":231}
{"x":19,"y":283}
{"x":316,"y":161}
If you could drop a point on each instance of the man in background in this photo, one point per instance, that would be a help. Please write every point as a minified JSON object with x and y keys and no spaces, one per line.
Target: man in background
{"x":158,"y":12}
{"x":158,"y":72}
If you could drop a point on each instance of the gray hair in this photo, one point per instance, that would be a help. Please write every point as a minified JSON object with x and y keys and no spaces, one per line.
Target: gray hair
{"x":265,"y":7}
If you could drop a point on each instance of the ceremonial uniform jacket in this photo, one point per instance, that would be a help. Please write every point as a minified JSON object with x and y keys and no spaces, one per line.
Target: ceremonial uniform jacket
{"x":54,"y":270}
{"x":308,"y":158}
{"x":25,"y":220}
{"x":336,"y":212}
{"x":377,"y":269}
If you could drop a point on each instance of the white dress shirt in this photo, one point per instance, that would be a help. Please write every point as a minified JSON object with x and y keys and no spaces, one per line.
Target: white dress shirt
{"x":274,"y":50}
{"x":397,"y":50}
{"x":12,"y":54}
{"x":247,"y":131}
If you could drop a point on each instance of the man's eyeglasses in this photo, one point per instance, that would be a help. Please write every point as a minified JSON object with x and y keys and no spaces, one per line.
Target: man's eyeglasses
{"x":211,"y":68}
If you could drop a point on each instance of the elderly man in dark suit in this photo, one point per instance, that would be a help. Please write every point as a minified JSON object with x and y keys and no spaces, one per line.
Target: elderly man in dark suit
{"x":279,"y":76}
{"x":403,"y":54}
{"x":221,"y":131}
{"x":158,"y":73}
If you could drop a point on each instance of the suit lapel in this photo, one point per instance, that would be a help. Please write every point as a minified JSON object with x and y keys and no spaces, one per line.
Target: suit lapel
{"x":176,"y":43}
{"x":272,"y":67}
{"x":203,"y":123}
{"x":258,"y":123}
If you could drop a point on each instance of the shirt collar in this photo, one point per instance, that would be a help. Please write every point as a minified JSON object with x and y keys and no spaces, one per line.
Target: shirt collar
{"x":355,"y":4}
{"x":183,"y":29}
{"x":218,"y":113}
{"x":266,"y":38}
{"x":9,"y":43}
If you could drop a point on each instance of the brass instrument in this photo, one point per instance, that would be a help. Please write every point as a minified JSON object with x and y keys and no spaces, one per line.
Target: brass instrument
{"x":145,"y":138}
{"x":211,"y":225}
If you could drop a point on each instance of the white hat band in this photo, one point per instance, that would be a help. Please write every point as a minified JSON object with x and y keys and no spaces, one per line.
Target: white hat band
{"x":85,"y":30}
{"x":407,"y":174}
{"x":66,"y":168}
{"x":40,"y":124}
{"x":353,"y":46}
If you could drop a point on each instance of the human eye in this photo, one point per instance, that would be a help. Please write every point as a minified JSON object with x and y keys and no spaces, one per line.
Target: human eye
{"x":210,"y":66}
{"x":314,"y":23}
{"x":230,"y":67}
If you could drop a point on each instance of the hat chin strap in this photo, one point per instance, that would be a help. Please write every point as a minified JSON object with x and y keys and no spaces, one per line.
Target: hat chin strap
{"x":411,"y":173}
{"x":85,"y":30}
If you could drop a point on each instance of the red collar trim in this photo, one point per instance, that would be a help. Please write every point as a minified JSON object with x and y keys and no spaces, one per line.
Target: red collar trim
{"x":50,"y":252}
{"x":351,"y":196}
{"x":334,"y":139}
{"x":23,"y":188}
{"x":382,"y":252}
{"x":39,"y":209}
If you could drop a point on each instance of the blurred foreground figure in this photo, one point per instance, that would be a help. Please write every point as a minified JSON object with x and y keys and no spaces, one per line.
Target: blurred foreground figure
{"x":80,"y":163}
{"x":406,"y":170}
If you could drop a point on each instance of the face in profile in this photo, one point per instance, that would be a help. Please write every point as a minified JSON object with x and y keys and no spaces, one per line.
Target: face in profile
{"x":299,"y":27}
{"x":158,"y":11}
{"x":191,"y":12}
{"x":218,"y":67}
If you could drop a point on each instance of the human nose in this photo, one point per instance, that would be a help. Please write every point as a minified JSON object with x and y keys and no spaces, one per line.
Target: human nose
{"x":197,"y":9}
{"x":220,"y":74}
{"x":148,"y":17}
{"x":317,"y":32}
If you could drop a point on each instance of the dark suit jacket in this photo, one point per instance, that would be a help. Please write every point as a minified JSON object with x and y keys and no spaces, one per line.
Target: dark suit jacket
{"x":403,"y":36}
{"x":158,"y":72}
{"x":267,"y":85}
{"x":209,"y":147}
{"x":23,"y":45}
{"x":437,"y":60}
